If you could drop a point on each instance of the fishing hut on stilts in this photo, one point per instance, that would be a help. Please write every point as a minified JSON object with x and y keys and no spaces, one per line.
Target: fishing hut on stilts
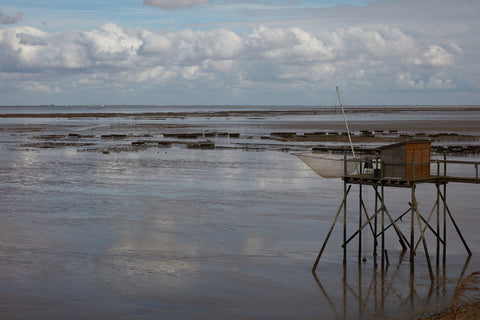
{"x":402,"y":165}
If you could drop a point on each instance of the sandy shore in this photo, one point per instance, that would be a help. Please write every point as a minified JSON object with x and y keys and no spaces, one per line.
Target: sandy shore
{"x":465,"y":301}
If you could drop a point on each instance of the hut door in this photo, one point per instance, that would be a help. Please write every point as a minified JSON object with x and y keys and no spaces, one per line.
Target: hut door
{"x":426,"y":163}
{"x":421,"y":170}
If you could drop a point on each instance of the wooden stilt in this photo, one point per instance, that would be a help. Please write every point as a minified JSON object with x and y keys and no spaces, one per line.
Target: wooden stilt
{"x":427,"y":225}
{"x":359,"y":229}
{"x":369,"y":221}
{"x":384,"y":209}
{"x":456,"y":227}
{"x":360,"y":195}
{"x":331,"y":229}
{"x":383,"y":227}
{"x":375,"y":243}
{"x":344,"y":225}
{"x":437,"y":203}
{"x":444,"y":253}
{"x":427,"y":256}
{"x":396,"y":220}
{"x":412,"y":232}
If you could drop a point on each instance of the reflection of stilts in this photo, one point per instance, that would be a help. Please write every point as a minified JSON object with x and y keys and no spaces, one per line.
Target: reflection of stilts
{"x":375,"y":298}
{"x":422,"y":223}
{"x":330,"y":302}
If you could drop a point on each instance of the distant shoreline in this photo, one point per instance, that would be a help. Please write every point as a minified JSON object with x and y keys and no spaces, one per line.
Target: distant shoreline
{"x":375,"y":106}
{"x":232,"y":113}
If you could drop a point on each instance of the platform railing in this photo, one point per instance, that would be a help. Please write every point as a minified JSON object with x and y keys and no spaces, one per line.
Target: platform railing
{"x":471,"y":167}
{"x":439,"y":168}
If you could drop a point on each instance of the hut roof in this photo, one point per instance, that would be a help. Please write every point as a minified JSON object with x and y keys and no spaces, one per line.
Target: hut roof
{"x":395,"y":145}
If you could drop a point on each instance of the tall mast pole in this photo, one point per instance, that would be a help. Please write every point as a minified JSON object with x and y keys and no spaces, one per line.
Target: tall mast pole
{"x":346,"y":124}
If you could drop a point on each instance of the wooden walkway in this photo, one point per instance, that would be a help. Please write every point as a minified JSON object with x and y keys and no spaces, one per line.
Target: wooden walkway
{"x":370,"y":179}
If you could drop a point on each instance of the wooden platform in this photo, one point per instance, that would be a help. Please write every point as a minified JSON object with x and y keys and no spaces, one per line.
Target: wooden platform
{"x":380,"y":174}
{"x":370,"y":179}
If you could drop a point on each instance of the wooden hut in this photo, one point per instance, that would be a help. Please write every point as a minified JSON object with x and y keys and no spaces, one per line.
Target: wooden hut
{"x":400,"y":160}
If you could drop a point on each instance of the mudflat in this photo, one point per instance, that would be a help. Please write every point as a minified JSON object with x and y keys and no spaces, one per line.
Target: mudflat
{"x":453,"y":129}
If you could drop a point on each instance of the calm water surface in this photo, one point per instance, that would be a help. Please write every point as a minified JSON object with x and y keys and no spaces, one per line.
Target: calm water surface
{"x":200,"y":234}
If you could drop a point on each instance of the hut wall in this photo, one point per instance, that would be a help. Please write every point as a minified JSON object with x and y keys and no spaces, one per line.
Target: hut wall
{"x":394,"y":162}
{"x":419,"y":155}
{"x":398,"y":159}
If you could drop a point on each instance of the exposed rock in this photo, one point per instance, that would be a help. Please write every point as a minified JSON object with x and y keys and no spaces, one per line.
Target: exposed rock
{"x":201,"y":145}
{"x":183,"y":135}
{"x":114,"y":136}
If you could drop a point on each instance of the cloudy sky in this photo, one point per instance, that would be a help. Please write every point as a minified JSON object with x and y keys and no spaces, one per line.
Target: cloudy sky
{"x":233,"y":52}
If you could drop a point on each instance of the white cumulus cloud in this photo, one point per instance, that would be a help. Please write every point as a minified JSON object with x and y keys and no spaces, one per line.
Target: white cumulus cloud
{"x":290,"y":58}
{"x":435,"y":56}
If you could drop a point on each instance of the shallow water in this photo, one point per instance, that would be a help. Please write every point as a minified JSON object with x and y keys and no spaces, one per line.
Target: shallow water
{"x":198,"y":234}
